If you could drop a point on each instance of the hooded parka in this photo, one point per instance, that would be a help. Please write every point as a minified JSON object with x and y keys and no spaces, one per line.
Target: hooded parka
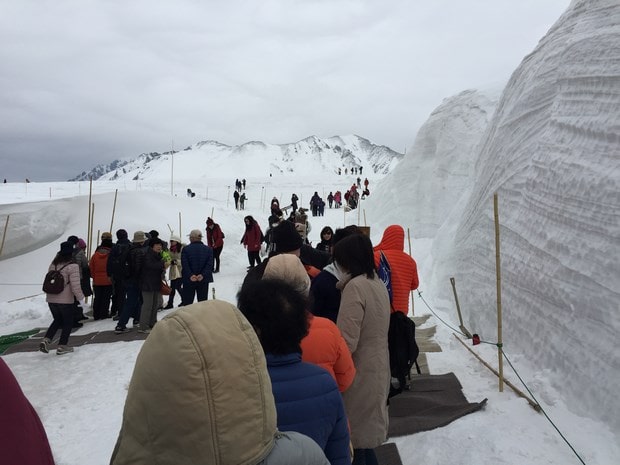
{"x":200,"y":394}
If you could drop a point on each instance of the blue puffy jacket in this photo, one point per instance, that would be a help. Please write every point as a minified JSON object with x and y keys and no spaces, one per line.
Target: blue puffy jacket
{"x":308,"y":401}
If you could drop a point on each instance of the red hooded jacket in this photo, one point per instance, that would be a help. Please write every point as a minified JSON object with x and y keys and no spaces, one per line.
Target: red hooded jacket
{"x":404,"y":268}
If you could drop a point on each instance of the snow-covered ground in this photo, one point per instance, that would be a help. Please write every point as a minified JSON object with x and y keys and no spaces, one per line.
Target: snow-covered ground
{"x":82,"y":425}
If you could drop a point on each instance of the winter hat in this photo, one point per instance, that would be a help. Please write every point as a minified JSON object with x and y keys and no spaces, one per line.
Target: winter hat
{"x":139,"y":236}
{"x":121,"y":234}
{"x":153,"y":233}
{"x":195,"y":234}
{"x":286,"y":238}
{"x":155,"y":240}
{"x":73,"y":239}
{"x":176,"y":239}
{"x":289,"y":268}
{"x":66,"y":248}
{"x":209,"y":221}
{"x":81,"y":243}
{"x":106,"y":235}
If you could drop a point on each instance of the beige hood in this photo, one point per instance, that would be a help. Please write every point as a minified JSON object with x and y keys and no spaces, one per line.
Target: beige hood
{"x":200,"y":393}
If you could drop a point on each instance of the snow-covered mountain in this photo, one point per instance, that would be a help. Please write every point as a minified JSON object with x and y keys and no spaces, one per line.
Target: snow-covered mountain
{"x":552,"y":153}
{"x":212,"y":158}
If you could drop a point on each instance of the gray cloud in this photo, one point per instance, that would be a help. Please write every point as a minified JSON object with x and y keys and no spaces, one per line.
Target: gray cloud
{"x":84,"y":82}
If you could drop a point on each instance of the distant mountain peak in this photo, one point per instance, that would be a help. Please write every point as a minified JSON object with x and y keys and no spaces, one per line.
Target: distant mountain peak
{"x":209,"y":158}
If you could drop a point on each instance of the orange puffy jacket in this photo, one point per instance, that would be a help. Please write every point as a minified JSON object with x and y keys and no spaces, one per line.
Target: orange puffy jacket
{"x":404,"y":268}
{"x":97,"y":265}
{"x":325,"y":346}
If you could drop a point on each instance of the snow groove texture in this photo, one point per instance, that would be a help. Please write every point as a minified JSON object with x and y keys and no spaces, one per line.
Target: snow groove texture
{"x":552,"y":152}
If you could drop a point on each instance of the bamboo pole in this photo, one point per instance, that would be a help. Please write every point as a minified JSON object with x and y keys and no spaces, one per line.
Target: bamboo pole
{"x":90,"y":234}
{"x":212,"y":212}
{"x":90,"y":197}
{"x":499,"y":294}
{"x":365,"y":217}
{"x":411,"y":292}
{"x":359,"y":213}
{"x":113,"y":210}
{"x":520,"y":393}
{"x":458,"y":309}
{"x":180,"y":231}
{"x":6,"y":226}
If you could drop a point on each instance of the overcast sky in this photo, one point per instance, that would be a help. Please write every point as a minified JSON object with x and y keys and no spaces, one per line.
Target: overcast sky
{"x":85,"y":82}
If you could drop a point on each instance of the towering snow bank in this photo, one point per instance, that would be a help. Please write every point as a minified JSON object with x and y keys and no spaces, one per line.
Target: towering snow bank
{"x":439,"y":167}
{"x":552,"y":153}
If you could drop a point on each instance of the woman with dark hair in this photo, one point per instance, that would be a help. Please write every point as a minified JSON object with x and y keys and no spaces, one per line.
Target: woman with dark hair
{"x":252,"y":239}
{"x":327,"y":233}
{"x":306,"y":395}
{"x":364,"y":319}
{"x":61,"y":305}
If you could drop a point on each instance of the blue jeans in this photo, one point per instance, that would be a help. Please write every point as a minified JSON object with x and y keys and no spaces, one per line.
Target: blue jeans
{"x":131,"y":308}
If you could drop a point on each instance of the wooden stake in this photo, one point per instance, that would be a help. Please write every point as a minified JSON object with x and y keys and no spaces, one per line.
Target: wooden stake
{"x":520,"y":393}
{"x":212,"y":213}
{"x":365,"y":217}
{"x":498,"y":274}
{"x":180,"y":230}
{"x":90,"y":234}
{"x":113,"y":210}
{"x":6,"y":225}
{"x":409,"y":240}
{"x":90,"y":197}
{"x":458,"y":309}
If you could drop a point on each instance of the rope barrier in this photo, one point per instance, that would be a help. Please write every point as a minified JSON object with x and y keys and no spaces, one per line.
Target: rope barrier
{"x":500,"y":346}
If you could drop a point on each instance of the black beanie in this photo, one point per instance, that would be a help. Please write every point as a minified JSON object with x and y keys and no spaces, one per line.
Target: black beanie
{"x":73,"y":239}
{"x":66,"y":248}
{"x":121,"y":234}
{"x":286,"y":238}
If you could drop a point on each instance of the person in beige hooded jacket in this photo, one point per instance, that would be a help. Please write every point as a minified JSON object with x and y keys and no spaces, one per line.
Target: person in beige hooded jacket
{"x":200,"y":394}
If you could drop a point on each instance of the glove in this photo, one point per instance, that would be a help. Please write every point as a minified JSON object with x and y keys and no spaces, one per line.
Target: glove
{"x":82,"y":303}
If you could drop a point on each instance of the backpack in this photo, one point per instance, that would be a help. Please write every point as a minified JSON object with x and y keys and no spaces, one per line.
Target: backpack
{"x":54,"y":281}
{"x":118,"y":264}
{"x":403,"y":350}
{"x":385,"y":274}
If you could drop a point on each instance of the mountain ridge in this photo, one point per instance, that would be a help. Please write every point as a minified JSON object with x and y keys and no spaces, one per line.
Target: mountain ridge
{"x":313,"y":152}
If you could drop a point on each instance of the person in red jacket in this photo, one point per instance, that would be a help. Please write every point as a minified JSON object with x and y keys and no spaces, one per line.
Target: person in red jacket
{"x":22,"y":437}
{"x":251,"y":240}
{"x":102,"y":285}
{"x":404,"y":268}
{"x":324,"y":344}
{"x":215,"y":240}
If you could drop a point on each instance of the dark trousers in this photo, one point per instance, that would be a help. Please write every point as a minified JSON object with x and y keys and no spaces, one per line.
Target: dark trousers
{"x":364,"y":457}
{"x":175,"y":285}
{"x":200,"y":289}
{"x":63,"y":319}
{"x":216,"y":258}
{"x":101,"y":302}
{"x":254,"y":257}
{"x":118,"y":297}
{"x":133,"y":302}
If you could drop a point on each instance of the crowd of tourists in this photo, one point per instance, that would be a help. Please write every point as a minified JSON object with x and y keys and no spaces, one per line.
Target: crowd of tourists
{"x":299,"y":366}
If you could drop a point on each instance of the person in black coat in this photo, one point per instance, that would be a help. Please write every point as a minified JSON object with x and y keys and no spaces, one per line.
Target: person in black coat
{"x":151,"y":273}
